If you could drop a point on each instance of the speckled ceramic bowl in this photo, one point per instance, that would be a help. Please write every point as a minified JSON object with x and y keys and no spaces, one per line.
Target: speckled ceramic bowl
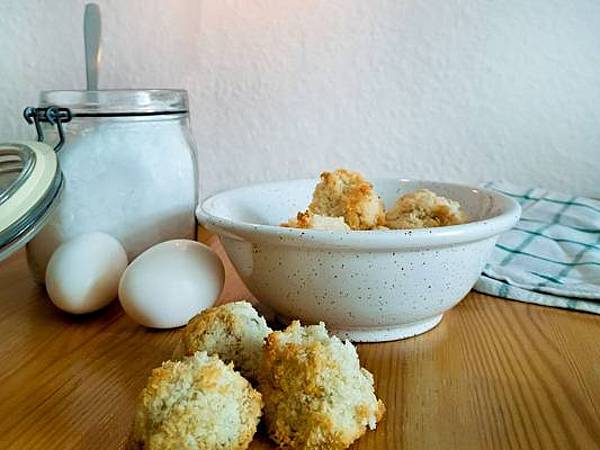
{"x":365,"y":285}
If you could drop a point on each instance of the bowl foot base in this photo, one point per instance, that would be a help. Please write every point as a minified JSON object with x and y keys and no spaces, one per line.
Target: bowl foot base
{"x":383,"y":334}
{"x":388,"y":333}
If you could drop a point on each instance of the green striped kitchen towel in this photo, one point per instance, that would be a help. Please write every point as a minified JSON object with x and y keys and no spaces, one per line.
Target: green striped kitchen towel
{"x":552,"y":256}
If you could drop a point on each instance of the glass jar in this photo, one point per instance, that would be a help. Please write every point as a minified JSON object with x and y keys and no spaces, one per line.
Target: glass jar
{"x":129,"y":168}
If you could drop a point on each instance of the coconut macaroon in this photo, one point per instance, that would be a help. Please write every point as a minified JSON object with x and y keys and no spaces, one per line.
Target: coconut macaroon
{"x":199,"y":402}
{"x":234,"y":331}
{"x":347,"y":194}
{"x":308,"y":220}
{"x":316,"y":394}
{"x":423,"y":209}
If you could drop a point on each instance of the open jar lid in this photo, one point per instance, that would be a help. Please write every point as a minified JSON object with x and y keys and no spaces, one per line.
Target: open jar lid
{"x":30,"y":185}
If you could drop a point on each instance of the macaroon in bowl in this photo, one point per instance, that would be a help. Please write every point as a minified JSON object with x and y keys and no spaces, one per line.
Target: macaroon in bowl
{"x":367,"y":286}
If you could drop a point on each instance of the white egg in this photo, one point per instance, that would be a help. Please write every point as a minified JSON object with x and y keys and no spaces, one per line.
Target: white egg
{"x":171,"y":282}
{"x":83,"y":273}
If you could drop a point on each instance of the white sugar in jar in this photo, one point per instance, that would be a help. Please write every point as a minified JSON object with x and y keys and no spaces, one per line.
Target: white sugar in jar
{"x":130,"y":170}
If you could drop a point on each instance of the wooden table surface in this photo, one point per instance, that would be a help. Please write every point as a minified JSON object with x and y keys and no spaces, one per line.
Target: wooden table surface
{"x":493,"y":374}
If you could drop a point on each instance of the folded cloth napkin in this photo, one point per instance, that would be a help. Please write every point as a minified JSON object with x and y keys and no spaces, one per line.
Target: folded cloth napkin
{"x":552,"y":256}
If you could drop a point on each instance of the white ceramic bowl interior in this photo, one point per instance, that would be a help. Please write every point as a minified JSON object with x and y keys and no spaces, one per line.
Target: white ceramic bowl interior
{"x":365,"y":285}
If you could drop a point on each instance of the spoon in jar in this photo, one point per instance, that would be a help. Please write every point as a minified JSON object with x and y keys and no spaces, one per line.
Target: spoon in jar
{"x":92,"y":27}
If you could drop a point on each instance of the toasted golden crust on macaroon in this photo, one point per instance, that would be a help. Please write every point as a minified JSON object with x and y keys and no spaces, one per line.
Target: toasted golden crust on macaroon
{"x":423,"y":209}
{"x":348,"y":194}
{"x":196,"y":403}
{"x":315,"y":392}
{"x":234,"y":331}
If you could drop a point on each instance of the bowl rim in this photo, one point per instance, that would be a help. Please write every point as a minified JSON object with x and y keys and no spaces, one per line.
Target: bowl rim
{"x":361,"y":239}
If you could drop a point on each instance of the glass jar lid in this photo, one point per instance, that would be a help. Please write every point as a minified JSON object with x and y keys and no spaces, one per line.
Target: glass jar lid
{"x":30,"y":185}
{"x":118,"y":102}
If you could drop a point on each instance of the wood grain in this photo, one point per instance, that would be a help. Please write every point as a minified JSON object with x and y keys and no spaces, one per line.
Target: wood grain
{"x":493,"y":374}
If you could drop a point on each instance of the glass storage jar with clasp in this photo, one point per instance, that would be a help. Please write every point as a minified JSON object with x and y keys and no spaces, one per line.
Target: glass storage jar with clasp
{"x":129,"y":166}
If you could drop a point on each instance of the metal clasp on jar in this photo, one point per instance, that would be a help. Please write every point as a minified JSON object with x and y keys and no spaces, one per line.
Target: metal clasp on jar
{"x":54,"y":116}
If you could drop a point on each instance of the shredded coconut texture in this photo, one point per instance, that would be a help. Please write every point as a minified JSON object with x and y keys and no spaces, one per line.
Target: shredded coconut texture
{"x":316,"y":394}
{"x":348,"y":194}
{"x":197,"y":403}
{"x":424,"y":209}
{"x":342,"y":200}
{"x":234,"y":331}
{"x":345,"y":200}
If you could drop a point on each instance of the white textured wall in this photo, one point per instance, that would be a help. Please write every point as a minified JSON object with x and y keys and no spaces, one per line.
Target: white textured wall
{"x":457,"y":90}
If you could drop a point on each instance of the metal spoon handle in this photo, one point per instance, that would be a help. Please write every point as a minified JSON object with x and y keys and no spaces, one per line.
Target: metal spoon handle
{"x":92,"y":27}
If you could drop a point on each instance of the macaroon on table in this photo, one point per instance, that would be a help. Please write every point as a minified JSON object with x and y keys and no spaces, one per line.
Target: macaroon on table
{"x":493,"y":374}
